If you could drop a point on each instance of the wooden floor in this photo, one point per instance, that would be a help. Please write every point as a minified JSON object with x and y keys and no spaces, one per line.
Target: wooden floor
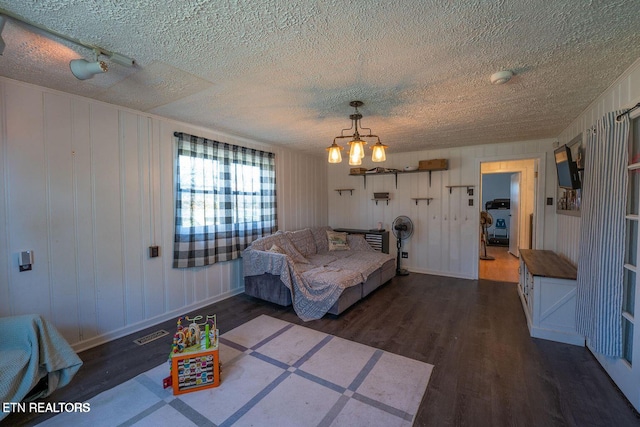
{"x":503,"y":268}
{"x":488,"y":371}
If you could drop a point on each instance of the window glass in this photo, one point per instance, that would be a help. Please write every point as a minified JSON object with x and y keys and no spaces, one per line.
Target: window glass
{"x":629,"y":295}
{"x":631,"y":242}
{"x":634,"y":191}
{"x":627,"y":340}
{"x":634,"y":141}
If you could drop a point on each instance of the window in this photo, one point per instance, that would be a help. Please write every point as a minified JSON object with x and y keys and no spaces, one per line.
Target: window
{"x":631,"y":245}
{"x":225,"y":199}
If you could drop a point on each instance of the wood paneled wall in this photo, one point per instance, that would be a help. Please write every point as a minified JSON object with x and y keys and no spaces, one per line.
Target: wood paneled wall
{"x":88,"y":187}
{"x":446,"y":236}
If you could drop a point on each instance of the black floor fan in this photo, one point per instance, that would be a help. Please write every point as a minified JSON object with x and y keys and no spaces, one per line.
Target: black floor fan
{"x":485,"y":222}
{"x":403,"y":229}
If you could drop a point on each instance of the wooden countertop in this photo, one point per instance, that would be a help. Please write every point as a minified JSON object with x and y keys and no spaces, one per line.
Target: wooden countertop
{"x":548,"y":264}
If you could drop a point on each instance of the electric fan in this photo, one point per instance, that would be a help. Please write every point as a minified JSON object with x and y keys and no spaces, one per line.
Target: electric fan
{"x":403,"y":229}
{"x":485,"y":222}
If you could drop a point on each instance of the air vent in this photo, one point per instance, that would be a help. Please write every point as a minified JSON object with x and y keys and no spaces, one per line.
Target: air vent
{"x":151,"y":337}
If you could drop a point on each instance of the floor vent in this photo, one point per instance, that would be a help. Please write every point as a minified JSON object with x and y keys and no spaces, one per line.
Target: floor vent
{"x":152,"y":336}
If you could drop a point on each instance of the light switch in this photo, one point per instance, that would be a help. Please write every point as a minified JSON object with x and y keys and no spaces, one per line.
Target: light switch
{"x":25,"y":260}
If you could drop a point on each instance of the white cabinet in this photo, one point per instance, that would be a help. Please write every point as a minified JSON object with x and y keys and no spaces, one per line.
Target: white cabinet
{"x":547,"y":290}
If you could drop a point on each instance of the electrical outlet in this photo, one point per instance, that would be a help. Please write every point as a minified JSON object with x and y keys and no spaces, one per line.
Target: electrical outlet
{"x":405,"y":254}
{"x":470,"y":202}
{"x":154,"y":251}
{"x":549,"y":201}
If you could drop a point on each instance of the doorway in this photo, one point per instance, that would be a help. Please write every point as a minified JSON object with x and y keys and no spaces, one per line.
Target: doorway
{"x":507,"y":194}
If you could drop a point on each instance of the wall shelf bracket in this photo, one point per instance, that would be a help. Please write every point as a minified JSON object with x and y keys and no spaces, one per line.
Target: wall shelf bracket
{"x":467,"y":186}
{"x":417,"y":199}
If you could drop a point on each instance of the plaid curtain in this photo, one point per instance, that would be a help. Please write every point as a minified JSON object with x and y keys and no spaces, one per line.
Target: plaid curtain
{"x":225,"y":199}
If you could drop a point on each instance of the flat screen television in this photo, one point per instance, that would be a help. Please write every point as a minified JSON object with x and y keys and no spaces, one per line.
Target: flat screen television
{"x":568,"y":176}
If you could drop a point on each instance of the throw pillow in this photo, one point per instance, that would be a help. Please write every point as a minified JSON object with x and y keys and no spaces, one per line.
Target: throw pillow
{"x":337,"y":241}
{"x":277,"y":249}
{"x":357,"y":242}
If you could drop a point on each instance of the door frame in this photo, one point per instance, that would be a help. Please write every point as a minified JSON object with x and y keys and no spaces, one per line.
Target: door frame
{"x":539,"y":190}
{"x":515,"y":243}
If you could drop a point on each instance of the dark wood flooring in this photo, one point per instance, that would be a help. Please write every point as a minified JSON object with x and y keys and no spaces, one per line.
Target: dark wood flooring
{"x":488,"y":370}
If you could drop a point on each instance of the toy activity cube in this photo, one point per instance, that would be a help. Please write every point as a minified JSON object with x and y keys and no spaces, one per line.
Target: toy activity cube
{"x":194,"y":359}
{"x":196,"y":370}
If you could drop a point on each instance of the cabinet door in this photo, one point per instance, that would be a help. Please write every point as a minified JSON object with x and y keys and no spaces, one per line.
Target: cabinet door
{"x":530,"y":285}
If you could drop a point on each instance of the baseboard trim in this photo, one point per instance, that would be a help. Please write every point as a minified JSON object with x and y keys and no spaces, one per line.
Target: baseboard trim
{"x":441,"y":273}
{"x":129,"y":329}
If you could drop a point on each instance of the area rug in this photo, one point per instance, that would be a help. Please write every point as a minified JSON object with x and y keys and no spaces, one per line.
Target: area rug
{"x":274,"y":373}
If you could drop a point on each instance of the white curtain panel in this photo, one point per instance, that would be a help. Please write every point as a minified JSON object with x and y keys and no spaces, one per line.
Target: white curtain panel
{"x":602,"y":236}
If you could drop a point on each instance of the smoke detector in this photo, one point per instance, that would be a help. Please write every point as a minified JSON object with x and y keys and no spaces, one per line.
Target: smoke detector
{"x":501,"y":77}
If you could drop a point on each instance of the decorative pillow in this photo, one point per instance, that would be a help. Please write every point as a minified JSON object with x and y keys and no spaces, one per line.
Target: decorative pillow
{"x":277,"y":249}
{"x":357,"y":242}
{"x":337,"y":241}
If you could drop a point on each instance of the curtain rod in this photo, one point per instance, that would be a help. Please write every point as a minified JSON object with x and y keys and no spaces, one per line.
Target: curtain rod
{"x":179,"y":134}
{"x":627,"y":111}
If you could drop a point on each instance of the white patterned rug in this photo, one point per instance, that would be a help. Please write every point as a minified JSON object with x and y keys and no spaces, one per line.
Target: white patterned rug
{"x":274,"y":373}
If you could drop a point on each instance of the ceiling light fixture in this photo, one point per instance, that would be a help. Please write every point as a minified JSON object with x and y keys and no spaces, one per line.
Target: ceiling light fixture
{"x":80,"y":68}
{"x":83,"y":69}
{"x":501,"y":77}
{"x":356,"y":150}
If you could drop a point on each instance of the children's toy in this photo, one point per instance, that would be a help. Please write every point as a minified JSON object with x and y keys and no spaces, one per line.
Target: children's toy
{"x":194,"y":359}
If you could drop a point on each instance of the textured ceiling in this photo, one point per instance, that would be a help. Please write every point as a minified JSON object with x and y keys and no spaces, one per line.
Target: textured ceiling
{"x":284,"y":72}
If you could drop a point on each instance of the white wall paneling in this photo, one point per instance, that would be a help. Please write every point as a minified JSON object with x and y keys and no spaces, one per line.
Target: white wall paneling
{"x":89,"y":187}
{"x":446,"y":236}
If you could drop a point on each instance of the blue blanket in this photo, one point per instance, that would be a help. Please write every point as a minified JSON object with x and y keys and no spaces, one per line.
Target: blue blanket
{"x":30,"y":349}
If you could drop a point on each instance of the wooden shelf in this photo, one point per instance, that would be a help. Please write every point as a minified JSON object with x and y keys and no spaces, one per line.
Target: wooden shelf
{"x":396,"y":173}
{"x":340,"y":190}
{"x":417,"y":199}
{"x":468,"y":187}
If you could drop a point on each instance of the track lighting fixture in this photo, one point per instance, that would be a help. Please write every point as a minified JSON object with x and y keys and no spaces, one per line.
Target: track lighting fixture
{"x":81,"y":68}
{"x":356,"y":150}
